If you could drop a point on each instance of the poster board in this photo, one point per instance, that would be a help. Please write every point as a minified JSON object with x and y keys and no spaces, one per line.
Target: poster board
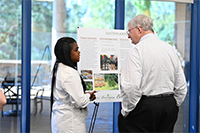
{"x":102,"y":54}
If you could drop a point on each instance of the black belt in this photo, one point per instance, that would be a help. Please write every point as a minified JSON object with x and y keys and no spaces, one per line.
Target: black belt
{"x":160,"y":95}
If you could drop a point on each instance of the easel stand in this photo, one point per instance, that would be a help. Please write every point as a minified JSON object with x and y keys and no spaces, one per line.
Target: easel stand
{"x":93,"y":117}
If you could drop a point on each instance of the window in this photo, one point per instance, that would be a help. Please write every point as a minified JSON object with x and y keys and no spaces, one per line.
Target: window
{"x":52,"y":20}
{"x":172,"y":24}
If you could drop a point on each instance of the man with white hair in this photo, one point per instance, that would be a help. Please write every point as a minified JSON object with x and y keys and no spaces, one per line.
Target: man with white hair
{"x":153,"y":84}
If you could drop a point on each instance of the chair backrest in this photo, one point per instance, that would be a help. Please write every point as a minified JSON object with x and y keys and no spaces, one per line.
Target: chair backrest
{"x":7,"y":89}
{"x":39,"y":93}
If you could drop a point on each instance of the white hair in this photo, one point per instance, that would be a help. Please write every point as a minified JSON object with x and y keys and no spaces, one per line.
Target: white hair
{"x":142,"y":21}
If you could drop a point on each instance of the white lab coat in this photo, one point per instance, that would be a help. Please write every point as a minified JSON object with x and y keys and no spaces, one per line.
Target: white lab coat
{"x":69,"y":110}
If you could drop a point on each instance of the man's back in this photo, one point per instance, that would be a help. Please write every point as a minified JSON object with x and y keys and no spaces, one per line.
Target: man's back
{"x":159,"y":62}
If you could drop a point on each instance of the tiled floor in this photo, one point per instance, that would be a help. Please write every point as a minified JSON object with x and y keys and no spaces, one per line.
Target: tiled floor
{"x":40,"y":123}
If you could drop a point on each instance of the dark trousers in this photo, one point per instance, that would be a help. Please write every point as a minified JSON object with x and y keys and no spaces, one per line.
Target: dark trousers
{"x":151,"y":115}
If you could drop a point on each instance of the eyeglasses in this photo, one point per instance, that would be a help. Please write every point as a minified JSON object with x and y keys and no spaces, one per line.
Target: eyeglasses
{"x":128,"y":32}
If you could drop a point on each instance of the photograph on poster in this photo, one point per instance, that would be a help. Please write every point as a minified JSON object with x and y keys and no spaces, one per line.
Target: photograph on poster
{"x":106,"y":81}
{"x":86,"y":74}
{"x":89,"y":85}
{"x":108,"y":62}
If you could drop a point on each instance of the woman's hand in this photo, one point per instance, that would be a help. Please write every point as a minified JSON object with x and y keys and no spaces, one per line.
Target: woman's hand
{"x":92,"y":95}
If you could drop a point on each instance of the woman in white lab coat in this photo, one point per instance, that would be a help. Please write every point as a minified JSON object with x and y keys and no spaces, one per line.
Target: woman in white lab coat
{"x":69,"y":100}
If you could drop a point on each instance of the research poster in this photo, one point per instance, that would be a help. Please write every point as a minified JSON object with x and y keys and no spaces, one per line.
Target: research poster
{"x":102,"y":55}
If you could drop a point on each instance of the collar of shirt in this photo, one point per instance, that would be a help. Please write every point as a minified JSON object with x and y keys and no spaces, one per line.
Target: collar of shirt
{"x":146,"y":36}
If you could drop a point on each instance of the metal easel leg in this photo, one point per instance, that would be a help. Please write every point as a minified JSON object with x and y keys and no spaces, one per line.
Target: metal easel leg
{"x":93,"y":117}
